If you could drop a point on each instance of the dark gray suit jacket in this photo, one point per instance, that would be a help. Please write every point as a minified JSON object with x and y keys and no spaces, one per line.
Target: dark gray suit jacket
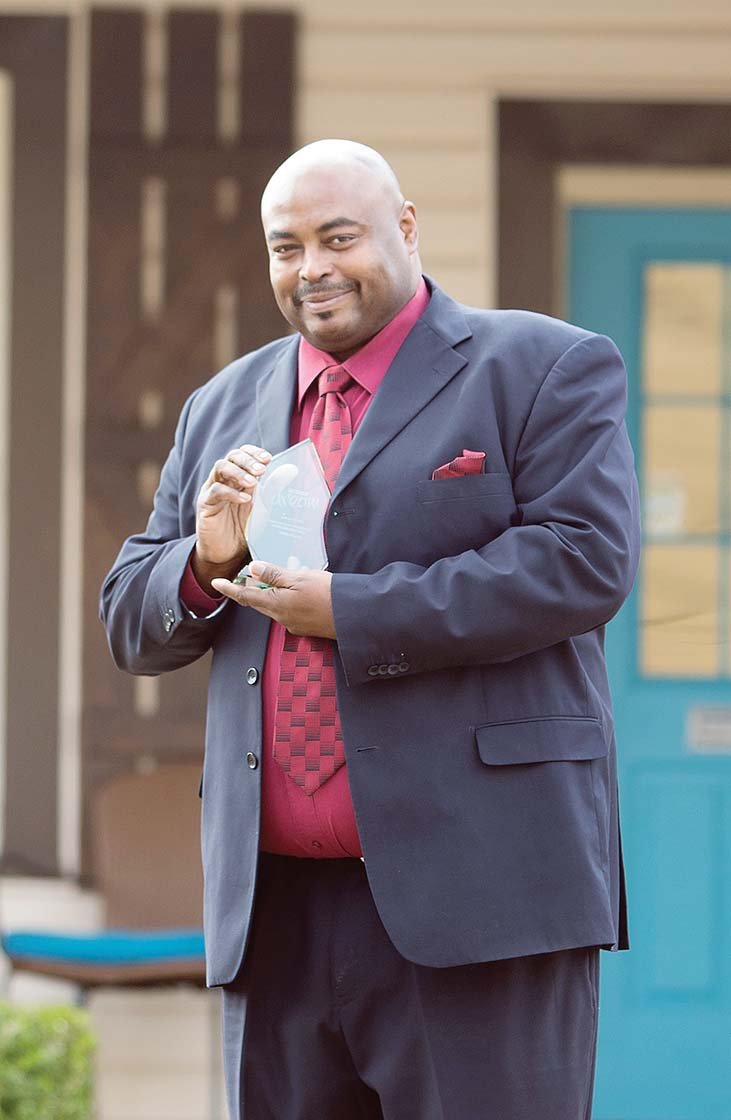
{"x":470,"y":616}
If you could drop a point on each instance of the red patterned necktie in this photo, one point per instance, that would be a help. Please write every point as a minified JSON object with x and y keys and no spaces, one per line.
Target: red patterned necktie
{"x":308,"y":742}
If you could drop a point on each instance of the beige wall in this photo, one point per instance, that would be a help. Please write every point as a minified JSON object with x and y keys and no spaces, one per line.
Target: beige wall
{"x":440,"y":72}
{"x":420,"y":81}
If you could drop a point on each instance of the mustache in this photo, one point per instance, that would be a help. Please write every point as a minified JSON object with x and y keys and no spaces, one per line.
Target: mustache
{"x":301,"y":294}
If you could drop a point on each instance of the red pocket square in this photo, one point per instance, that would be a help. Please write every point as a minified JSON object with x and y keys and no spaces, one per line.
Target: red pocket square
{"x":469,"y":462}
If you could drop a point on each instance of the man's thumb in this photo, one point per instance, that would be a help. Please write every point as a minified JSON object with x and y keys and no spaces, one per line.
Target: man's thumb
{"x":266,"y":573}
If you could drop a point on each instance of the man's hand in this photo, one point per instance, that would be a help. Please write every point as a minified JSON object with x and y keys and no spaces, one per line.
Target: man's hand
{"x":222,"y":511}
{"x":300,"y":601}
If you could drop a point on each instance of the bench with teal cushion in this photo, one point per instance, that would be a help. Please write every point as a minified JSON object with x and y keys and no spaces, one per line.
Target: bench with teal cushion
{"x":126,"y":957}
{"x":145,"y":833}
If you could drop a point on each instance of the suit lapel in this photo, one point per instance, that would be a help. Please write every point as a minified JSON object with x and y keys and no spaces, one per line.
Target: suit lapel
{"x":275,"y":397}
{"x":426,"y":362}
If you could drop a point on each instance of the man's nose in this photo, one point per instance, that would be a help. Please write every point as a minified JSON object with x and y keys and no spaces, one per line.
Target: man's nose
{"x":315,"y":265}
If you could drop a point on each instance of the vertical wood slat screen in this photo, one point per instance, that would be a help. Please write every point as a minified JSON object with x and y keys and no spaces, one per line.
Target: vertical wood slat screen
{"x":152,"y":299}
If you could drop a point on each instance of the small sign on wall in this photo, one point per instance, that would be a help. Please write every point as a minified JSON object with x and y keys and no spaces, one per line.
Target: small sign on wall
{"x":664,"y":505}
{"x":708,"y":730}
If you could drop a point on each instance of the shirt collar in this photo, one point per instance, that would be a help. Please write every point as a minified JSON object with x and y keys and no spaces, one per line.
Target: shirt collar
{"x":368,"y":365}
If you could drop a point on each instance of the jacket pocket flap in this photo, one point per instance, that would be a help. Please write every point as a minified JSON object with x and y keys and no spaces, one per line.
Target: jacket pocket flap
{"x":552,"y":739}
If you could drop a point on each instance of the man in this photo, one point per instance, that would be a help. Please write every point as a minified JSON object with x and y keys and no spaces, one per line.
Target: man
{"x":435,"y":703}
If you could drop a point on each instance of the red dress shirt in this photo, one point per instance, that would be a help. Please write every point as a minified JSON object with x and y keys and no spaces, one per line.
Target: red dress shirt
{"x":321,"y":825}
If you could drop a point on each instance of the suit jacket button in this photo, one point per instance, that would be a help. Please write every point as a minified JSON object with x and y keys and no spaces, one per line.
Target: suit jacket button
{"x":404,"y":667}
{"x":383,"y":670}
{"x":393,"y":670}
{"x":252,"y":675}
{"x":251,"y":760}
{"x":372,"y":670}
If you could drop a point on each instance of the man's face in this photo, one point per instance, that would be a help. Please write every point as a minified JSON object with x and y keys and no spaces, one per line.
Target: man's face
{"x":342,"y":255}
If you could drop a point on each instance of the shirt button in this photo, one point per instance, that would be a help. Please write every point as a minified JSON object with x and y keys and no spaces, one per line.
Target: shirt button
{"x":251,"y":760}
{"x":252,"y":675}
{"x":335,"y":513}
{"x":168,"y":620}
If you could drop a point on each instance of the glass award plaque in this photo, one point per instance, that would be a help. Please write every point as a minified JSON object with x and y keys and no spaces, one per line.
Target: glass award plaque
{"x":287,"y":519}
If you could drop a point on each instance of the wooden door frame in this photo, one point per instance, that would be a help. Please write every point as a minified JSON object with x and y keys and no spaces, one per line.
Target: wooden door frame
{"x":535,"y":137}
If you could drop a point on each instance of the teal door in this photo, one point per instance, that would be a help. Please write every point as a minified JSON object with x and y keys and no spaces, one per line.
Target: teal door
{"x":659,"y":283}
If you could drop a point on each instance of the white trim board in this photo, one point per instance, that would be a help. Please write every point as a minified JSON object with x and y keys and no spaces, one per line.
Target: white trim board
{"x":69,"y":790}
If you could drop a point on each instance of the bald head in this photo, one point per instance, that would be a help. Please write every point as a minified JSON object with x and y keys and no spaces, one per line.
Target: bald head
{"x":343,"y":243}
{"x":340,"y":158}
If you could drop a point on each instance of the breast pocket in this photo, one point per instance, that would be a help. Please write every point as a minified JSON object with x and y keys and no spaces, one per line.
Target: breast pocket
{"x":457,"y":514}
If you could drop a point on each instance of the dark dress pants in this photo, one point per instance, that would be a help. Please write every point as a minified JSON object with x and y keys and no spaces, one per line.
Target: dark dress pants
{"x":326,"y":1021}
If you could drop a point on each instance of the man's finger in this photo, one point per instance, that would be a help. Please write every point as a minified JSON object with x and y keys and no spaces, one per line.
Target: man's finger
{"x":231,"y":590}
{"x":232,"y":475}
{"x":255,"y":452}
{"x":251,"y":459}
{"x":246,"y":596}
{"x":218,"y":494}
{"x":270,"y":574}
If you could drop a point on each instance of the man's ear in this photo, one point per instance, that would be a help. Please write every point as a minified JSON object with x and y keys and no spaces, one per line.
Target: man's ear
{"x":408,"y":226}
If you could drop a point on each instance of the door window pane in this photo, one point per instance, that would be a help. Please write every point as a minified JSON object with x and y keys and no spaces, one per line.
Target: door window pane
{"x":683,"y":328}
{"x":685,"y":623}
{"x":680,"y":610}
{"x":682,"y":452}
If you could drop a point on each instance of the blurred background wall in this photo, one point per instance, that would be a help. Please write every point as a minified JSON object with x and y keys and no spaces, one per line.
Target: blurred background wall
{"x":571,"y":157}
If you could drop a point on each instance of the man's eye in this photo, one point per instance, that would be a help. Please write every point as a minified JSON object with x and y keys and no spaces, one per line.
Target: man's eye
{"x":280,"y":250}
{"x":341,"y":239}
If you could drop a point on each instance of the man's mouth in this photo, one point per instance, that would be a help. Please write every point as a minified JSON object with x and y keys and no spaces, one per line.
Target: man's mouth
{"x":323,"y":301}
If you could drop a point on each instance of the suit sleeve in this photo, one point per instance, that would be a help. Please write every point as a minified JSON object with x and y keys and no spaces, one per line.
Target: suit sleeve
{"x":148,"y":629}
{"x":564,"y":569}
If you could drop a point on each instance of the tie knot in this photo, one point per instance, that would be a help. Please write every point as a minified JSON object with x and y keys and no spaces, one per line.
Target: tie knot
{"x":333,"y":380}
